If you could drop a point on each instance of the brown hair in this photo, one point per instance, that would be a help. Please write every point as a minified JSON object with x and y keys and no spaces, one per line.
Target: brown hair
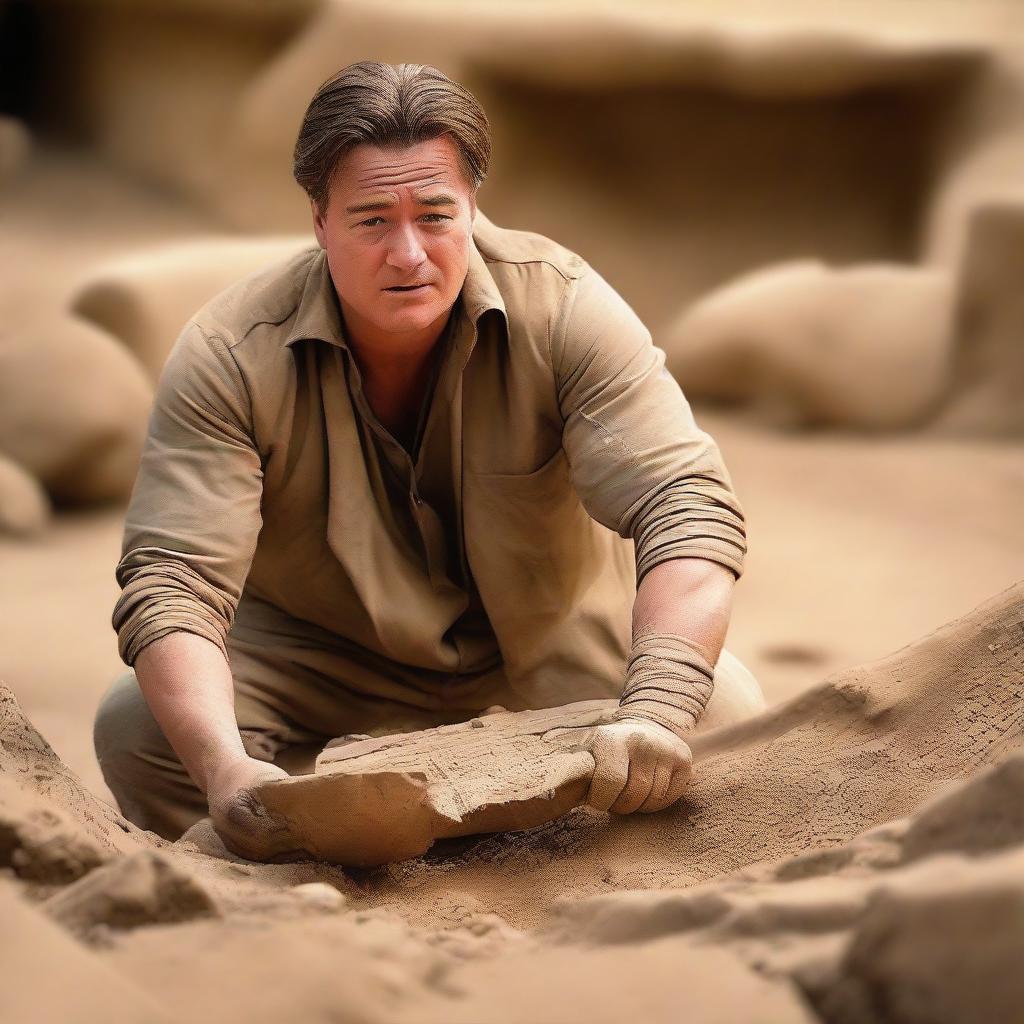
{"x":387,"y":105}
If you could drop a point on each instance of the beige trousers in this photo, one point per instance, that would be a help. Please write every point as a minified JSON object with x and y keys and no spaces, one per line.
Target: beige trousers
{"x":155,"y":792}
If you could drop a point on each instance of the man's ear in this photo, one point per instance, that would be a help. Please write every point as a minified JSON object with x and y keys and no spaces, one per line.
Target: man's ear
{"x":319,"y":229}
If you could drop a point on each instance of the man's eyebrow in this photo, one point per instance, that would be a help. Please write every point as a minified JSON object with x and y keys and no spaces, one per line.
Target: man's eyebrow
{"x":370,"y":204}
{"x":440,"y":199}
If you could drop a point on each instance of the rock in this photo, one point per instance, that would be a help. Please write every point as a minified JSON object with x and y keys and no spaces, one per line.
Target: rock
{"x":982,"y":815}
{"x":146,"y":888}
{"x":402,"y":792}
{"x":146,"y":298}
{"x":987,"y":372}
{"x":502,"y":771}
{"x":320,"y":896}
{"x":24,"y":506}
{"x":633,"y":917}
{"x":42,"y":843}
{"x":61,"y":829}
{"x":73,"y":409}
{"x":803,"y":344}
{"x":202,"y":838}
{"x":15,"y":146}
{"x":942,"y":945}
{"x":984,"y":167}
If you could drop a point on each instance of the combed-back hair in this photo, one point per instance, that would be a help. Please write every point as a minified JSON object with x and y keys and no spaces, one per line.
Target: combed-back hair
{"x":387,"y":105}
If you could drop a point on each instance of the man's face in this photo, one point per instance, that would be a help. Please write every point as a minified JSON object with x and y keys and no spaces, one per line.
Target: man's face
{"x":397,"y":232}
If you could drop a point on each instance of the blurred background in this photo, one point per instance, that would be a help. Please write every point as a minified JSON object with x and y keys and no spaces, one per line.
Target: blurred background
{"x":818,"y":210}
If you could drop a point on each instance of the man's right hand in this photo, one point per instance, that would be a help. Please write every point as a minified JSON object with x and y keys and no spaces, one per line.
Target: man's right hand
{"x":240,"y":818}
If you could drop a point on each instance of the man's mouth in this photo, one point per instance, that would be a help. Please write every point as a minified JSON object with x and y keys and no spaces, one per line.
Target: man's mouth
{"x":405,"y":287}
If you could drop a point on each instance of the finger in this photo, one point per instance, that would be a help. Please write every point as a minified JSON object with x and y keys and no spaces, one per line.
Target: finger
{"x":638,"y":785}
{"x":611,"y":773}
{"x":677,"y":768}
{"x":494,"y":709}
{"x":679,"y":784}
{"x":657,"y":798}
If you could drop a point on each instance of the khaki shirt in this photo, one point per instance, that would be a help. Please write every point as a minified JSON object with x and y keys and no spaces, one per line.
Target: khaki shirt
{"x":274,"y":515}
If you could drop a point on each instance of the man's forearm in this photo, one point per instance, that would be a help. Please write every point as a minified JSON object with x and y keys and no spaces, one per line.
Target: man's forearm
{"x":680,"y":619}
{"x":690,"y":597}
{"x":187,"y":685}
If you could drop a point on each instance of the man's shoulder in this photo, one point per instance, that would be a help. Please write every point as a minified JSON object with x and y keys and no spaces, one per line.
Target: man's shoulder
{"x":269,"y":295}
{"x":524,"y":248}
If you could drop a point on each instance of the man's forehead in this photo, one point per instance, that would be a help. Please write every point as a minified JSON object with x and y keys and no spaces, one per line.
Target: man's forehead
{"x":367,"y":167}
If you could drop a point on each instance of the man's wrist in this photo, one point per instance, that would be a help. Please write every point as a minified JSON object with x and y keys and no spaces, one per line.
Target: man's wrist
{"x":217,"y":765}
{"x":679,"y":725}
{"x":668,"y":681}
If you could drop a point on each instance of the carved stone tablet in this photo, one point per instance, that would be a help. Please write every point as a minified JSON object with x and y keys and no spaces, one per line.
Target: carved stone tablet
{"x":379,"y":800}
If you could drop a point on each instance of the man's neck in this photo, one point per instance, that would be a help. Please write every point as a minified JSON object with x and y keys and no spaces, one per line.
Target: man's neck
{"x":391,"y":362}
{"x":395,"y":373}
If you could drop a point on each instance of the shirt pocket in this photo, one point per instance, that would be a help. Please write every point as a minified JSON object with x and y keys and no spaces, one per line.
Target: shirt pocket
{"x":531,"y":530}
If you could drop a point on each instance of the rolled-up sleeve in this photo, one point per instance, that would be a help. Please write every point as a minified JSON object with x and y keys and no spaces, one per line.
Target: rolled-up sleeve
{"x":640,"y":464}
{"x":194,"y":516}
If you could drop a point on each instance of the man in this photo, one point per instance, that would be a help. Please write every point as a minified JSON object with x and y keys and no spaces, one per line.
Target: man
{"x":408,"y":476}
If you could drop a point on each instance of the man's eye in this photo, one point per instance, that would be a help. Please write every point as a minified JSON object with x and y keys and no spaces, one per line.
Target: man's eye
{"x":436,"y":218}
{"x":371,"y":222}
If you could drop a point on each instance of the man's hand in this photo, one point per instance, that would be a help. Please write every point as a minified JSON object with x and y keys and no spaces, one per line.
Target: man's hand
{"x":639,"y":766}
{"x":241,"y":820}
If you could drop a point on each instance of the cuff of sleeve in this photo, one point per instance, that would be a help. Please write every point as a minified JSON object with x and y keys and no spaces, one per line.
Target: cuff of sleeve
{"x":130,"y":646}
{"x":169,"y":598}
{"x":689,"y":547}
{"x":684,"y":521}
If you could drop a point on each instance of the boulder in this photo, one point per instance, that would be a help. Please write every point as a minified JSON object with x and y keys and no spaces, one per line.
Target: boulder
{"x":24,"y":506}
{"x":73,"y":409}
{"x":986,"y":388}
{"x":149,"y":887}
{"x":146,"y":298}
{"x":804,"y":344}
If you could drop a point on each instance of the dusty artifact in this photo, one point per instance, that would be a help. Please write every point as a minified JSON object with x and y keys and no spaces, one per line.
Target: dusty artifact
{"x":388,"y":798}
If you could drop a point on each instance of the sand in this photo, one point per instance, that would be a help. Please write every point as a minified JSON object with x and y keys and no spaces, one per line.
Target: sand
{"x":852,"y":854}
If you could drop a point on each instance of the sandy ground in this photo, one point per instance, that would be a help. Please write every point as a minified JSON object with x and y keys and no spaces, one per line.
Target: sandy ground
{"x":853,"y":855}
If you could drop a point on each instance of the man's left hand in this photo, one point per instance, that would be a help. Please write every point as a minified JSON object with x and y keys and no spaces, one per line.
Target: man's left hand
{"x":639,"y":766}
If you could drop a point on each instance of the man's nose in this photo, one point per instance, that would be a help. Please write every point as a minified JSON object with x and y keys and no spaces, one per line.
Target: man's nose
{"x":405,"y":251}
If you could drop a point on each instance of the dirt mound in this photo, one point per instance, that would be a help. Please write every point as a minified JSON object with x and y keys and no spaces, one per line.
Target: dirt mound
{"x":850,"y":855}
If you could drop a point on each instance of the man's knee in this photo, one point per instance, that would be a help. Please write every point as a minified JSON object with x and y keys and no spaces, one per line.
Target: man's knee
{"x":123,"y":729}
{"x":131,"y":748}
{"x":736,"y":697}
{"x":141,"y":769}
